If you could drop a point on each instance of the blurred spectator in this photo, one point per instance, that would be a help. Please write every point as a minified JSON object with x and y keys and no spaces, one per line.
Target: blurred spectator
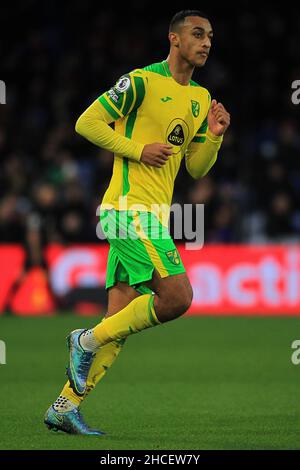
{"x":279,"y":220}
{"x":11,"y":220}
{"x":41,"y":223}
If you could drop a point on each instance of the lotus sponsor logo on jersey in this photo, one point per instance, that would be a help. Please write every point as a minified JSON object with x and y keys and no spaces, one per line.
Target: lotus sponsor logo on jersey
{"x":123,"y":84}
{"x":177,"y":134}
{"x":176,"y":137}
{"x":195,"y":108}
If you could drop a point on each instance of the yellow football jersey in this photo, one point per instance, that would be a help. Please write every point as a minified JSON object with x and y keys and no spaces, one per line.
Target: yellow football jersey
{"x":149,"y":106}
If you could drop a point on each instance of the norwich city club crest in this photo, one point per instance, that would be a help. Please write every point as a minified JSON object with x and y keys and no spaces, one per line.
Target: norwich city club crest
{"x":195,"y":108}
{"x":173,"y":256}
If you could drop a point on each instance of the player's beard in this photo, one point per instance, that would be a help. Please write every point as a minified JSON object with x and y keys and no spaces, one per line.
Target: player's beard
{"x":199,"y":65}
{"x":193,"y":62}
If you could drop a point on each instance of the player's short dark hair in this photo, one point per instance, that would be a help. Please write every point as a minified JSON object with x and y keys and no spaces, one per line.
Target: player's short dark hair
{"x":179,"y":18}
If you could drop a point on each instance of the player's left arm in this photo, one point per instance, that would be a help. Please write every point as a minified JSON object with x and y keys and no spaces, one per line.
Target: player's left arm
{"x":202,"y":152}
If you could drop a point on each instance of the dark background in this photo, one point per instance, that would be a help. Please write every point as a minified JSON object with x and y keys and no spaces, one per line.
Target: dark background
{"x":56,"y":58}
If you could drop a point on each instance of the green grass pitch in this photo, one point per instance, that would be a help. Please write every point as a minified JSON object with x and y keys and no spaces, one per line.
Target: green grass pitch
{"x":195,"y":383}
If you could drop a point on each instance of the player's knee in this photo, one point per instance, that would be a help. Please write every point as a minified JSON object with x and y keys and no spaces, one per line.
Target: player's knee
{"x":176,"y":304}
{"x":183,"y":302}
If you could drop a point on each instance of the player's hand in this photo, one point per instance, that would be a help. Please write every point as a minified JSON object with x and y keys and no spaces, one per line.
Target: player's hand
{"x":156,"y":154}
{"x":218,"y":118}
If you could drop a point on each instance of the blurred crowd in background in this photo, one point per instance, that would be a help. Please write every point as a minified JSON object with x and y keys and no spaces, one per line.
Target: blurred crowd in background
{"x":64,"y":55}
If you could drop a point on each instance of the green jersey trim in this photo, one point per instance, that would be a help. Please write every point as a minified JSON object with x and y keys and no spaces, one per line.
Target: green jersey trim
{"x":128,"y":133}
{"x":159,"y":68}
{"x":199,"y":139}
{"x":203,"y":127}
{"x":140,"y":91}
{"x":109,"y":108}
{"x":162,"y":68}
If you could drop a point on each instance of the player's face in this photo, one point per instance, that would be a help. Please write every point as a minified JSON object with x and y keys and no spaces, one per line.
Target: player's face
{"x":195,"y":38}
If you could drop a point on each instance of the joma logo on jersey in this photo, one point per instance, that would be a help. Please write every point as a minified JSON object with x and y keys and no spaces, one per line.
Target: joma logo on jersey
{"x":195,"y":108}
{"x":176,"y":137}
{"x":165,"y":99}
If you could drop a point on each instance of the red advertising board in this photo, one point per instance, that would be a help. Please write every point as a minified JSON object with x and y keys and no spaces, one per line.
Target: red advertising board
{"x":227,"y":280}
{"x":11,"y":264}
{"x":244,"y":279}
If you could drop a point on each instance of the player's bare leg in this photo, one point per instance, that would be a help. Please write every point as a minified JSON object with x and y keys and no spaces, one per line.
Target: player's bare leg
{"x":173,"y":297}
{"x":119,"y":296}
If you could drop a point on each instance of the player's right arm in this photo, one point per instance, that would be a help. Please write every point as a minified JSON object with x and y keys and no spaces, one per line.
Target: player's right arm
{"x":94,"y":124}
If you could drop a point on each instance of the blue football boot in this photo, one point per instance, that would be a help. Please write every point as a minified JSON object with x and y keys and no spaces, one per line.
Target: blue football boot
{"x":79,"y":364}
{"x":70,"y":422}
